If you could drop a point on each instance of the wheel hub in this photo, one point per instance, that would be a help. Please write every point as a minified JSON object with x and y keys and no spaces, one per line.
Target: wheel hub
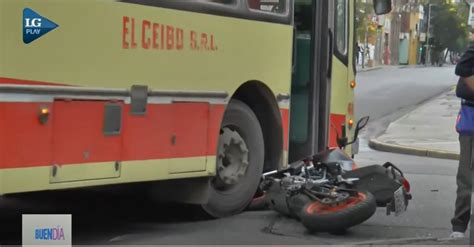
{"x":232,"y":159}
{"x":336,"y":199}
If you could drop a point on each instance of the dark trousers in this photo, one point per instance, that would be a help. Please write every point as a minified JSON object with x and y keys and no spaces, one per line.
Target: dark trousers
{"x":462,"y":212}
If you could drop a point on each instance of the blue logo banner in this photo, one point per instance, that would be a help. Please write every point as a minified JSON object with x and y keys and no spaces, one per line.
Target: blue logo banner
{"x":35,"y":25}
{"x":46,"y":229}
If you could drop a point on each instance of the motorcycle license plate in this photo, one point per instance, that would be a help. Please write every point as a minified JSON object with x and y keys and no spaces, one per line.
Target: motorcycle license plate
{"x":400,"y":201}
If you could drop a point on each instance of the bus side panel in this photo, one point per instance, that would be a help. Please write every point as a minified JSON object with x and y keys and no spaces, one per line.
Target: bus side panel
{"x":74,"y":133}
{"x":147,"y":137}
{"x":336,"y":121}
{"x":189,"y":135}
{"x":2,"y":140}
{"x":25,"y":141}
{"x":89,"y":48}
{"x":78,"y":134}
{"x":2,"y":36}
{"x":216,"y":113}
{"x":2,"y":117}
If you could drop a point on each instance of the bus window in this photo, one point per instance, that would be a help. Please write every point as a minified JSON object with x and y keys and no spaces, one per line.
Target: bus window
{"x":341,"y":26}
{"x":274,"y":6}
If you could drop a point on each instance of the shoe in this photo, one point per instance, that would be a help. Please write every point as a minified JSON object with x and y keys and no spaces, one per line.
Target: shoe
{"x":457,"y":235}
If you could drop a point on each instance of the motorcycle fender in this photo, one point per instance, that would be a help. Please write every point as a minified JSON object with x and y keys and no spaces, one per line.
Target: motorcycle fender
{"x":377,"y":180}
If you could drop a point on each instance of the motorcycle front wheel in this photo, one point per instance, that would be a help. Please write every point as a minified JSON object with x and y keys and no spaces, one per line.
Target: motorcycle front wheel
{"x":317,"y":217}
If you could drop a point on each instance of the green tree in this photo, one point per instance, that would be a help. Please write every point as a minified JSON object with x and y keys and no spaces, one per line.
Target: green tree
{"x":449,"y":22}
{"x":364,"y":10}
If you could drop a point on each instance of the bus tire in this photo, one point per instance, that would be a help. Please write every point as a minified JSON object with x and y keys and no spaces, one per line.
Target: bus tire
{"x":239,"y":162}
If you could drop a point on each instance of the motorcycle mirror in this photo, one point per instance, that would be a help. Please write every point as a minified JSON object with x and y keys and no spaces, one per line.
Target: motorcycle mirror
{"x":382,"y":7}
{"x":360,"y":125}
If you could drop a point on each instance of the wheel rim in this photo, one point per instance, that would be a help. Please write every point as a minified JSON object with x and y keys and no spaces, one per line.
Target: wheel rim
{"x":232,"y":159}
{"x":320,"y":208}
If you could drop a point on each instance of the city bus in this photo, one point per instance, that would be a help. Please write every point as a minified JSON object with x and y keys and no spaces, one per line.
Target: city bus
{"x":202,"y":95}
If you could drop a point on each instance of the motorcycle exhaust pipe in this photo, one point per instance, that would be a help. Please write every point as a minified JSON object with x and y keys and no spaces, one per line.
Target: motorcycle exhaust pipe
{"x":269,"y":173}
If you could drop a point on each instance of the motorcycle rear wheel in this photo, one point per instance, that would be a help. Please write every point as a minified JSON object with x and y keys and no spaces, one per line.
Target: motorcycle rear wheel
{"x":317,"y":217}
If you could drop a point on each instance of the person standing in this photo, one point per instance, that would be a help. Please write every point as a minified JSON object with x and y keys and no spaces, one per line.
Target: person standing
{"x":423,"y":56}
{"x":465,"y":90}
{"x":357,"y":52}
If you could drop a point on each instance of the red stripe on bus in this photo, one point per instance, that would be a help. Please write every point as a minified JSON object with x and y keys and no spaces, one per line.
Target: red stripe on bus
{"x":74,"y":133}
{"x":336,"y":121}
{"x":285,"y":113}
{"x":166,"y":131}
{"x":4,"y":80}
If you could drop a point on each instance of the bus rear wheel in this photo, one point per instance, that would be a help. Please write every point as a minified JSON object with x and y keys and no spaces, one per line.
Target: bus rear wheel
{"x":240,"y":158}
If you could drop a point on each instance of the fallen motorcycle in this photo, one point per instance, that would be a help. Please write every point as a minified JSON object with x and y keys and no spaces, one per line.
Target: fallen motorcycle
{"x":327,"y":193}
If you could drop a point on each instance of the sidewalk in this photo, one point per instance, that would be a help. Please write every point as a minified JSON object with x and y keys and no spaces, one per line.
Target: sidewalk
{"x":444,"y":242}
{"x":376,"y":67}
{"x":365,"y":69}
{"x":429,"y":130}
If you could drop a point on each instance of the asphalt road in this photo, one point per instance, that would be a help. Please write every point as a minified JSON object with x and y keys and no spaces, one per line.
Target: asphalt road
{"x":126,"y":216}
{"x":385,"y":91}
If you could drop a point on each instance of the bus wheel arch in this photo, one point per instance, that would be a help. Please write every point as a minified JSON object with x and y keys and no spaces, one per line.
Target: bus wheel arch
{"x":251,"y":129}
{"x":262,"y":101}
{"x":239,"y":162}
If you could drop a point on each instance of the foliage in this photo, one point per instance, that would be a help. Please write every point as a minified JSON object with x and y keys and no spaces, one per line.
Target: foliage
{"x":363,"y":23}
{"x":449,"y":25}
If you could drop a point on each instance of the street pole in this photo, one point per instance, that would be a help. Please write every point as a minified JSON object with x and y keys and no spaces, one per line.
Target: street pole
{"x":367,"y":32}
{"x":364,"y":50}
{"x":427,"y":55}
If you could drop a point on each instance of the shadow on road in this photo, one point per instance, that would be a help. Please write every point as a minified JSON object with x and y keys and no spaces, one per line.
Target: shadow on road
{"x":95,"y":213}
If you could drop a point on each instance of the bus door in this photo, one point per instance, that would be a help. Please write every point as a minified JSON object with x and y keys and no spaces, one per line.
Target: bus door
{"x":309,"y":89}
{"x":343,"y":70}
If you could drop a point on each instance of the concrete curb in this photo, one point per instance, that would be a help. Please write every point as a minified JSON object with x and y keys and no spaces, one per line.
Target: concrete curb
{"x":369,"y":69}
{"x":395,"y":148}
{"x":398,"y":241}
{"x":361,"y":70}
{"x":411,"y":241}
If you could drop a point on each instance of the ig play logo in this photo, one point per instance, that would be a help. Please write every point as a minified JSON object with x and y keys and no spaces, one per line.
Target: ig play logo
{"x":35,"y":25}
